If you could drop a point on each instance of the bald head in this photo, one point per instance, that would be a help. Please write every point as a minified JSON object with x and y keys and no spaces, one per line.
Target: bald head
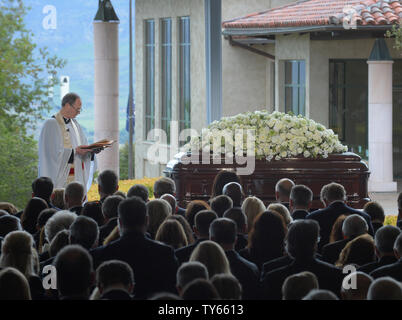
{"x":234,"y":191}
{"x":282,"y":189}
{"x":355,"y":286}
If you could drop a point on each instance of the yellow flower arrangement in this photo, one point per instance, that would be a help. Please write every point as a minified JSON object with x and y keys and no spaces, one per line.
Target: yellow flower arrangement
{"x":125,"y":185}
{"x":390,"y":220}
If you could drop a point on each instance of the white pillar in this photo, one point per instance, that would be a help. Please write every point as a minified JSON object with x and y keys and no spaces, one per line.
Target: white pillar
{"x":106,"y":101}
{"x":380,"y":126}
{"x":64,"y":86}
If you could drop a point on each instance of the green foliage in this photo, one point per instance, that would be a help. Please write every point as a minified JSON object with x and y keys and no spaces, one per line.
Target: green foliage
{"x":26,"y":74}
{"x":18,"y":159}
{"x":124,"y":161}
{"x":396,"y":33}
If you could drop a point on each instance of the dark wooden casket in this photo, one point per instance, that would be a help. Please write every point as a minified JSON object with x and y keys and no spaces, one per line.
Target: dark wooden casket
{"x":194,"y":181}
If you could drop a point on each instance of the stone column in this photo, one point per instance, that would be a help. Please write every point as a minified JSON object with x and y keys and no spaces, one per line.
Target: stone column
{"x":106,"y":100}
{"x":380,"y":119}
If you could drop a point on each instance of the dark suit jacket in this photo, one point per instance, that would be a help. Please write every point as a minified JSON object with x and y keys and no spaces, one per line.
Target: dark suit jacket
{"x":275,"y":264}
{"x":246,"y":272}
{"x":329,"y":277}
{"x":106,"y":229}
{"x":241,"y":242}
{"x":299,"y":214}
{"x":376,"y":226}
{"x":331,"y":251}
{"x":77,"y":210}
{"x":183,"y":254}
{"x":180,"y":211}
{"x":327,"y":217}
{"x":384,"y":261}
{"x":154,"y":264}
{"x":116,"y":295}
{"x":392,"y":270}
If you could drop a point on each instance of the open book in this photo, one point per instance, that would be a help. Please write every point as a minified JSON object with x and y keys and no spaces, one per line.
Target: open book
{"x":101,"y":144}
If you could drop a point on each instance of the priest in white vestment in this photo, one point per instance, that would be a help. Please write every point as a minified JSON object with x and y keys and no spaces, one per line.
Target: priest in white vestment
{"x":62,"y":142}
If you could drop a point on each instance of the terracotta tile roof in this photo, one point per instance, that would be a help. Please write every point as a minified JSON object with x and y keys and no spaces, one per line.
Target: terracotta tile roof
{"x":322,"y":12}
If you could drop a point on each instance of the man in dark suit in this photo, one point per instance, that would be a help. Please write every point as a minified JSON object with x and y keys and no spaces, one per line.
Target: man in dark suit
{"x":384,"y":248}
{"x":109,"y":211}
{"x":220,"y":204}
{"x":139,"y":190}
{"x":108,"y":184}
{"x":376,"y":213}
{"x":167,"y":185}
{"x":333,"y":195}
{"x":224,"y":232}
{"x":202,"y":220}
{"x":353,"y":226}
{"x":238,"y":216}
{"x":393,"y":270}
{"x":300,"y":201}
{"x":282,"y":191}
{"x":74,"y":197}
{"x":235,"y":192}
{"x":154,"y":264}
{"x":301,"y":245}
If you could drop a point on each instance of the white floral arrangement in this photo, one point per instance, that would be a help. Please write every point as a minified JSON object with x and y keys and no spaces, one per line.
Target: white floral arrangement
{"x":275,"y":135}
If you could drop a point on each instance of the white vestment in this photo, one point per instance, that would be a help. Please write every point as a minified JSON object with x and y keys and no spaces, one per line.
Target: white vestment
{"x":56,"y":143}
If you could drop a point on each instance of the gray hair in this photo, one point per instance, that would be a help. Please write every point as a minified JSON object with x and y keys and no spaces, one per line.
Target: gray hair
{"x":398,"y":245}
{"x":297,"y":286}
{"x":301,"y":195}
{"x":74,"y":191}
{"x":332,"y":192}
{"x":110,"y":206}
{"x":320,"y":294}
{"x":385,"y":238}
{"x":59,"y":221}
{"x":354,"y":225}
{"x":84,"y":231}
{"x":69,"y":98}
{"x":385,"y":288}
{"x":284,"y":186}
{"x":164,"y":185}
{"x":190,"y":271}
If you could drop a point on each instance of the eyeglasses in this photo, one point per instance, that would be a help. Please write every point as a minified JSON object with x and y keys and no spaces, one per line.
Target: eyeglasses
{"x":76,"y":109}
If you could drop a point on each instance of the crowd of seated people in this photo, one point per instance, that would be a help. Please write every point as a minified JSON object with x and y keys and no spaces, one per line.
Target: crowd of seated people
{"x":232,"y":247}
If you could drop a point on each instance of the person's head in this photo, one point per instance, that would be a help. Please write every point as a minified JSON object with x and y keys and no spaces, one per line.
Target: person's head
{"x":300,"y":197}
{"x":228,"y":286}
{"x":110,"y":206}
{"x":399,"y":202}
{"x":384,"y":240}
{"x":188,"y":272}
{"x":385,"y":288}
{"x":42,"y":187}
{"x":139,"y":190}
{"x":108,"y":183}
{"x":71,"y":105}
{"x":59,"y":221}
{"x":282,"y":189}
{"x":114,"y":274}
{"x":17,"y":252}
{"x":164,"y":296}
{"x":172,"y":233}
{"x":398,"y":247}
{"x":74,"y":195}
{"x":356,"y":286}
{"x":202,"y":222}
{"x":60,"y":240}
{"x":85,"y":232}
{"x":332,"y":192}
{"x":193,"y":208}
{"x":75,"y":274}
{"x":172,"y":201}
{"x":220,"y":204}
{"x":57,"y":198}
{"x":235,"y":192}
{"x":297,"y":286}
{"x":93,"y":210}
{"x":158,"y":211}
{"x":186,"y":227}
{"x":302,"y":239}
{"x":353,"y":226}
{"x":31,"y":213}
{"x":320,"y":294}
{"x":282,"y":210}
{"x":164,"y":185}
{"x":9,"y":207}
{"x":200,"y":289}
{"x":224,"y":232}
{"x":238,"y":216}
{"x":121,"y":194}
{"x":375,"y":211}
{"x":44,"y":216}
{"x":358,"y":252}
{"x":223,"y":177}
{"x":14,"y":285}
{"x":8,"y":224}
{"x":133,"y":215}
{"x":336,"y":231}
{"x":252,"y":207}
{"x":267,"y":238}
{"x":212,"y":256}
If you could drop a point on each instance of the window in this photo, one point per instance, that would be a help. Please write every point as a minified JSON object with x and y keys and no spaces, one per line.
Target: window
{"x":295,"y":86}
{"x":149,"y":75}
{"x":166,"y":64}
{"x":184,"y":73}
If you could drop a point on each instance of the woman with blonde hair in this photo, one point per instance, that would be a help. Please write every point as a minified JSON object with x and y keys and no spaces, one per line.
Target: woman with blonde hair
{"x":172,"y":234}
{"x":158,"y":211}
{"x":336,"y":231}
{"x":186,"y":227}
{"x":282,"y":210}
{"x":357,"y":252}
{"x":57,"y":198}
{"x":9,"y":207}
{"x":212,"y":256}
{"x":252,"y":207}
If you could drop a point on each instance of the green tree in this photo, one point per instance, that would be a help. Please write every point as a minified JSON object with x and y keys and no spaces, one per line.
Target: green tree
{"x":26,"y":75}
{"x":124,"y":161}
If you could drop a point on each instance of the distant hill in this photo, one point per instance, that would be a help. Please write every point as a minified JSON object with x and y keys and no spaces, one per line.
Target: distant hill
{"x":73,"y":40}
